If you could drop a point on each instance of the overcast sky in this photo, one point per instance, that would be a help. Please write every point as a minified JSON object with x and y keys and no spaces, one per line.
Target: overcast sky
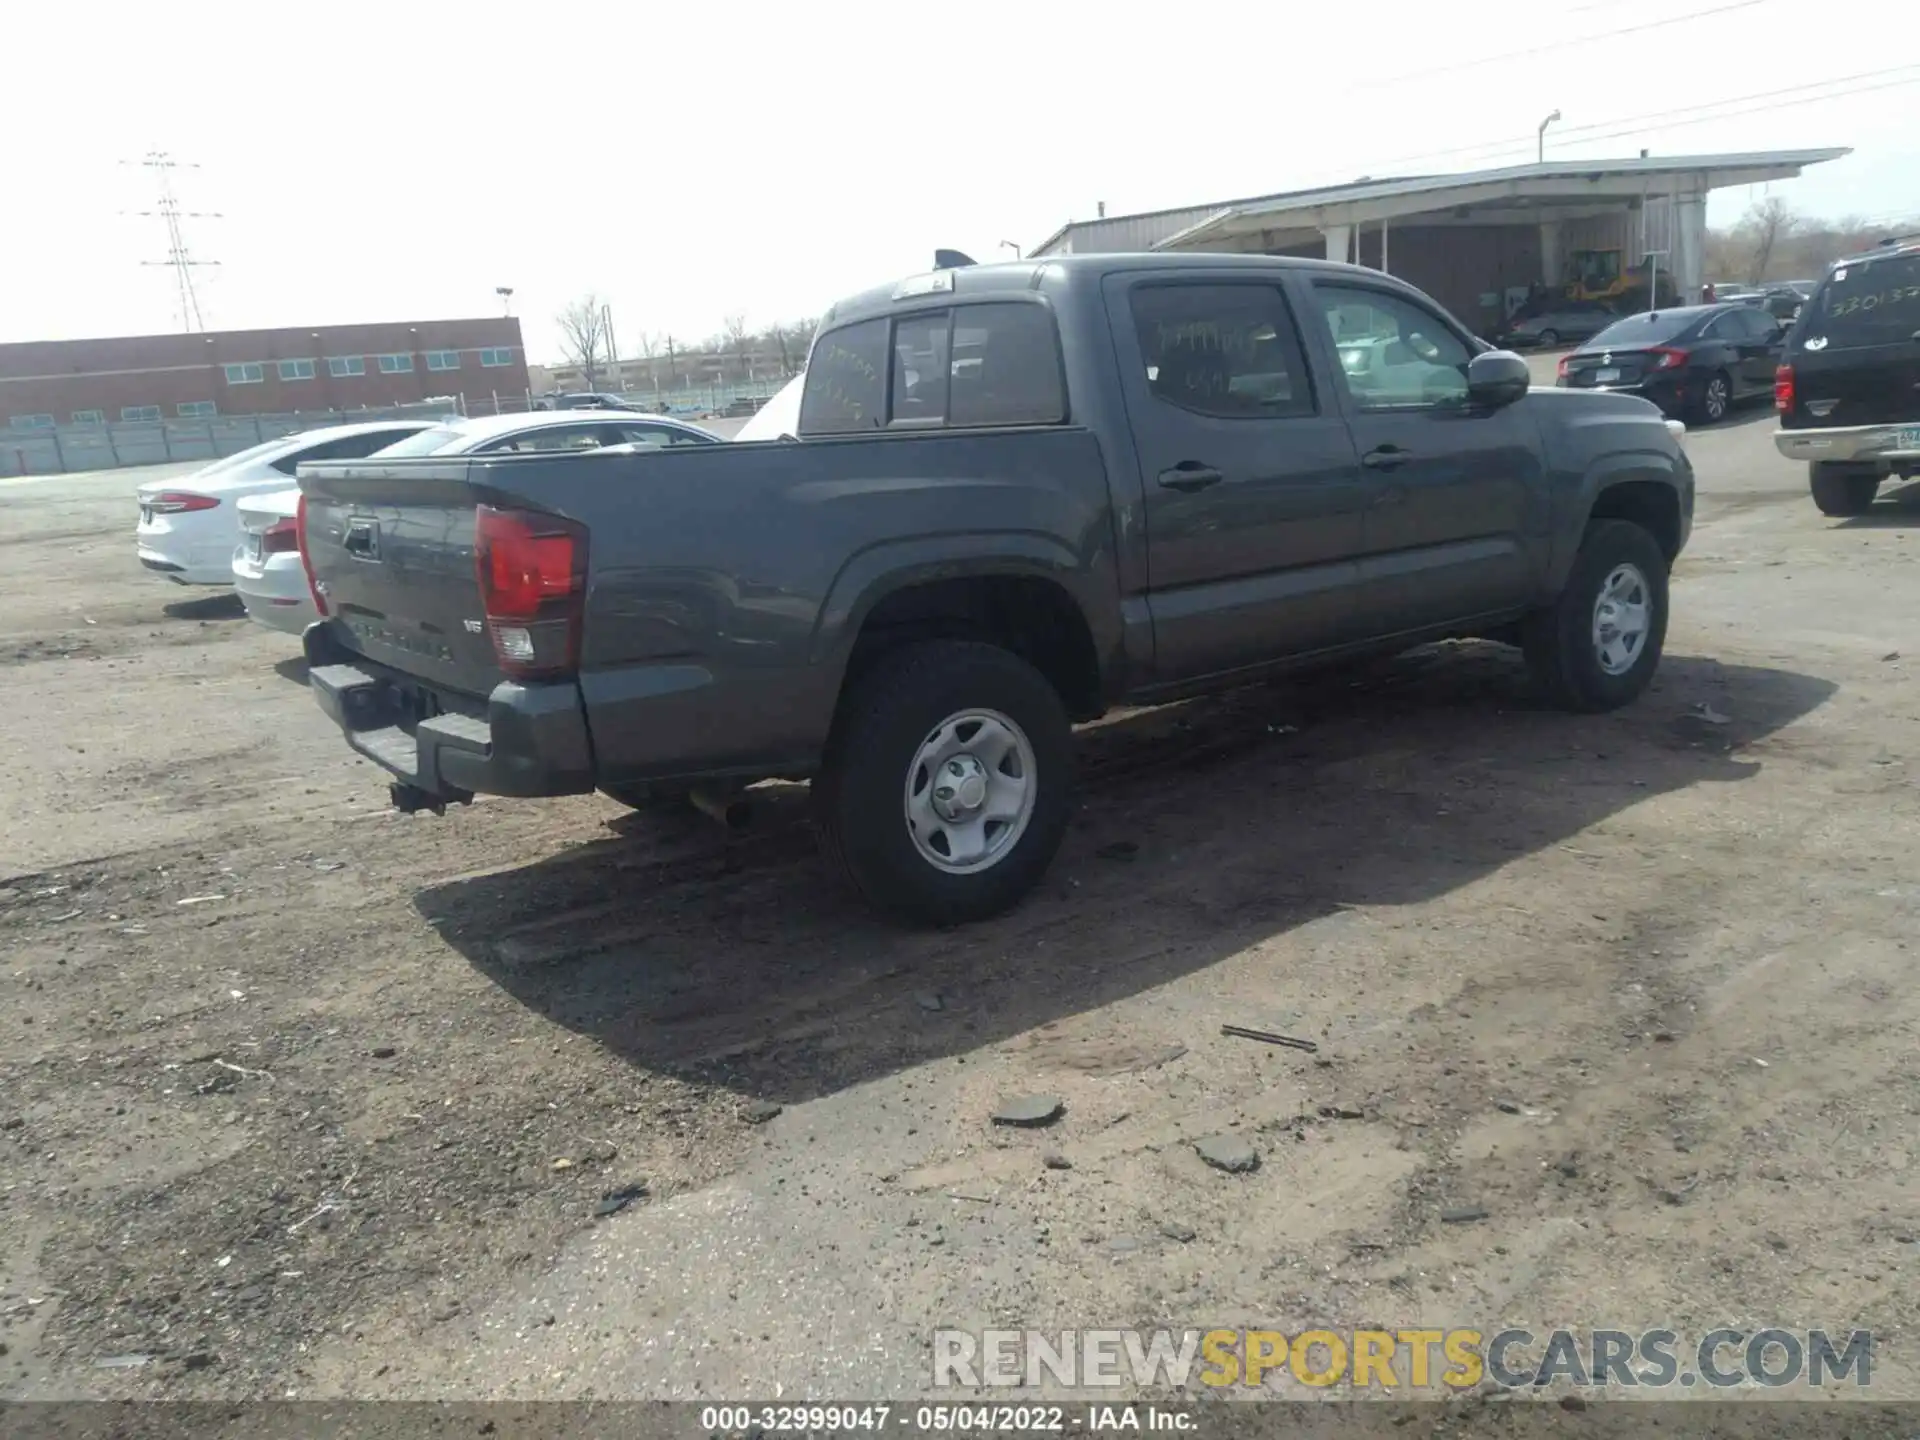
{"x":400,"y":160}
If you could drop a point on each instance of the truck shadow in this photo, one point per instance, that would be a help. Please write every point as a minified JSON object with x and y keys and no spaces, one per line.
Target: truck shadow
{"x":1203,"y":829}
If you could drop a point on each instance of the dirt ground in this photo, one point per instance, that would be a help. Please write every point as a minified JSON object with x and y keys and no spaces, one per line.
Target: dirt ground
{"x":302,"y":1097}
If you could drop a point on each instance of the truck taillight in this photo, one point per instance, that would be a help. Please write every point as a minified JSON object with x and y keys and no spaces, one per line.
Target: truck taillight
{"x":532,"y":570}
{"x":306,"y":556}
{"x":1783,"y":388}
{"x":281,"y":538}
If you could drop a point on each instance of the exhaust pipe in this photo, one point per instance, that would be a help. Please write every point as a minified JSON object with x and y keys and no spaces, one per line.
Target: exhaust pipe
{"x":733,"y":811}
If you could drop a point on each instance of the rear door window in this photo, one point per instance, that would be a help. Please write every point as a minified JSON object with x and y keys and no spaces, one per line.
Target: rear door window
{"x":1005,"y":366}
{"x":1876,"y":302}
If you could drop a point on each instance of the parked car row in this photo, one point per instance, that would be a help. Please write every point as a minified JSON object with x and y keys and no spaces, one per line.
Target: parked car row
{"x":234,"y":522}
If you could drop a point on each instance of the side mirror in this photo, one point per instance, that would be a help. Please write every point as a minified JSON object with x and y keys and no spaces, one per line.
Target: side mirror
{"x":1496,"y":378}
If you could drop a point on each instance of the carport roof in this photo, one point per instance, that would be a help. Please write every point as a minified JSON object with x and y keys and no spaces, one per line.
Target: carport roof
{"x":1555,"y":183}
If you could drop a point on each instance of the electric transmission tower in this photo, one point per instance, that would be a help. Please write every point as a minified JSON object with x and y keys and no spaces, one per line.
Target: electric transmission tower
{"x":179,"y":259}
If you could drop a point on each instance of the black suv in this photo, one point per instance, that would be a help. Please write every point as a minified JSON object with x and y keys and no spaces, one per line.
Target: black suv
{"x":1848,"y":393}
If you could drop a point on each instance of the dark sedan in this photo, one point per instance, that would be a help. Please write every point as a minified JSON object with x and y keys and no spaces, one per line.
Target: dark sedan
{"x":1569,"y":321}
{"x":1695,"y":361}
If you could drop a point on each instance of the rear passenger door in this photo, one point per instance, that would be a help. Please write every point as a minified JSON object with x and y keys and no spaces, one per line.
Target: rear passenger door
{"x":1452,"y":490}
{"x":1252,"y":492}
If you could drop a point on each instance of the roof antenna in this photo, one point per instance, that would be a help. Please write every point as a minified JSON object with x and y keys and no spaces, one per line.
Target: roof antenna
{"x":951,"y":260}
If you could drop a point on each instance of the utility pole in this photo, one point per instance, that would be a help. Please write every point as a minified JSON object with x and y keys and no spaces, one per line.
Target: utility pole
{"x":179,"y":259}
{"x":613,"y":348}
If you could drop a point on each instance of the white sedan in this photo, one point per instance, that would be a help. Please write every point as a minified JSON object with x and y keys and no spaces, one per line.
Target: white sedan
{"x":267,"y":573}
{"x":190,"y":525}
{"x":550,"y":430}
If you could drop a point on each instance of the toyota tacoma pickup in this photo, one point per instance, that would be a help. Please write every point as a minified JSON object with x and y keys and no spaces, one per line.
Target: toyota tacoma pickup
{"x":1017,"y":495}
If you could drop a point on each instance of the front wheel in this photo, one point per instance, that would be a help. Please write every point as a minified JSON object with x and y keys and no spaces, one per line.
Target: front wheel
{"x":1597,"y":646}
{"x":946,"y":787}
{"x":1549,"y":339}
{"x":1837,"y":491}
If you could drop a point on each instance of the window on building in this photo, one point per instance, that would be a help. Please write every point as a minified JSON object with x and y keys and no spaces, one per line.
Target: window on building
{"x":443,"y":359}
{"x":139,"y":414}
{"x":89,"y":417}
{"x":250,"y":372}
{"x":296,"y":369}
{"x":1230,"y":351}
{"x":496,"y":356}
{"x":197,"y":409}
{"x":32,"y":422}
{"x":342,"y":365}
{"x":396,"y":364}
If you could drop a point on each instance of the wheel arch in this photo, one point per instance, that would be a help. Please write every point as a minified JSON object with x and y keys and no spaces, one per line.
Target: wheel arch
{"x":1019,"y":589}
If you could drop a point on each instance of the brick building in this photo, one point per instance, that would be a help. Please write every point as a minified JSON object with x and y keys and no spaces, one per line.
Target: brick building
{"x":261,"y":372}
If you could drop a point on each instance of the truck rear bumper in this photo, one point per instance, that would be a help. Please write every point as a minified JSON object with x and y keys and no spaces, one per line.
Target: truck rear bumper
{"x":532,"y":741}
{"x":1889,"y":445}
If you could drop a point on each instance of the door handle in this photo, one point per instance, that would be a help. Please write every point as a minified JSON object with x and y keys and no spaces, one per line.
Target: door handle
{"x":1386,"y":457}
{"x":1190,"y":476}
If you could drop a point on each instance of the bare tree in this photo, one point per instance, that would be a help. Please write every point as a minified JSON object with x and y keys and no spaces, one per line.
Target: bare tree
{"x":583,"y":336}
{"x":1767,"y":224}
{"x":739,"y":343}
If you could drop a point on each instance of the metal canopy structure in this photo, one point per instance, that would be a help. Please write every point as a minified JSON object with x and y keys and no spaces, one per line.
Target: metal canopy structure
{"x":1518,"y":195}
{"x":1466,"y":236}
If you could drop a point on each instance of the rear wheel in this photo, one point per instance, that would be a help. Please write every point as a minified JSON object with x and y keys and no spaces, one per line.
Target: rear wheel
{"x":1839,"y":491}
{"x":1597,"y":646}
{"x":1716,"y":398}
{"x":1549,"y":338}
{"x":946,"y":787}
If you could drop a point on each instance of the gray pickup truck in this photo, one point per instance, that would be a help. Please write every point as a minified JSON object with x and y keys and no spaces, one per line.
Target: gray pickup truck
{"x":1020,"y":494}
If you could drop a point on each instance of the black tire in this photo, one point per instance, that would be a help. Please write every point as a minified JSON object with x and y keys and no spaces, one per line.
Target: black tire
{"x":1838,"y":491}
{"x":1559,"y":641}
{"x":1549,"y":339}
{"x":1716,"y":399}
{"x":859,"y":796}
